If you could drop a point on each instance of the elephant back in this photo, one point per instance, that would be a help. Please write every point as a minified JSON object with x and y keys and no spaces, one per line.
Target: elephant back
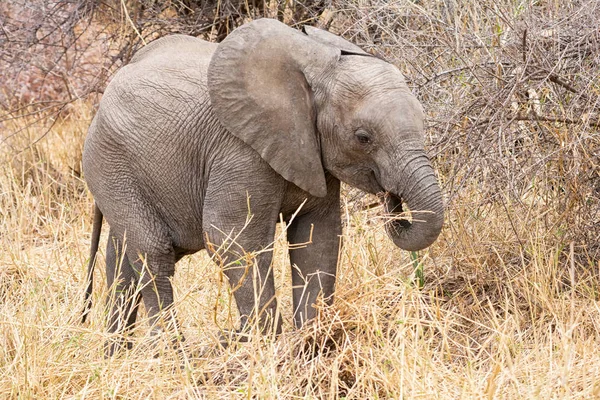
{"x":174,"y":48}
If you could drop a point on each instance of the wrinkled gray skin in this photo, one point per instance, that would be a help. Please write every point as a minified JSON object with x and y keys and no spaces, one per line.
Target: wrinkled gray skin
{"x":190,"y":134}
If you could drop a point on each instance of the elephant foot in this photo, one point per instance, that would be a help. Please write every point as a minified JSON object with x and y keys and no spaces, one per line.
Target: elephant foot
{"x":157,"y":343}
{"x":230,"y":338}
{"x":319,"y":342}
{"x":116,"y":345}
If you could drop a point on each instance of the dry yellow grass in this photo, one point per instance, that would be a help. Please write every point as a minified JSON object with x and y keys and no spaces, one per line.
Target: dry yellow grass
{"x":496,"y":319}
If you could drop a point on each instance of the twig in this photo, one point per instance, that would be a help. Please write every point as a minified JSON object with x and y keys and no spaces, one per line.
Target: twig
{"x":556,"y":79}
{"x":139,"y":35}
{"x":532,"y":117}
{"x":465,"y":68}
{"x":524,"y":44}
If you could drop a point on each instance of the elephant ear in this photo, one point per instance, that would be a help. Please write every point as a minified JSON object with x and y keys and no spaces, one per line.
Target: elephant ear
{"x":259,"y":81}
{"x":330,"y":39}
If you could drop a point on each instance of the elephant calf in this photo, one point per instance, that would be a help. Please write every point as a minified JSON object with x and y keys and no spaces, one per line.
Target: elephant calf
{"x":191,"y":137}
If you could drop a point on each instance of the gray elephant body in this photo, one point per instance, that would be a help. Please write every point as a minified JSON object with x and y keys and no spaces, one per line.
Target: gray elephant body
{"x":181,"y":152}
{"x":159,"y":157}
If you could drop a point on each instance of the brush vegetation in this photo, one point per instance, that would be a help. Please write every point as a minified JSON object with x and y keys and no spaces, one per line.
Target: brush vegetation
{"x":504,"y":305}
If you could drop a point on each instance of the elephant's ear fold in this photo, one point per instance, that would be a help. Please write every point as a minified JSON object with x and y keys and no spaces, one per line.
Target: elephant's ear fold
{"x":260,"y":83}
{"x":330,"y":39}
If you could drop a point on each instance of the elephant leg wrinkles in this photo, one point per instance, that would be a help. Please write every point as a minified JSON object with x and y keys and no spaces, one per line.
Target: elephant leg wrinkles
{"x":314,"y":267}
{"x":139,"y":264}
{"x":156,"y":290}
{"x":124,"y":299}
{"x":239,"y":226}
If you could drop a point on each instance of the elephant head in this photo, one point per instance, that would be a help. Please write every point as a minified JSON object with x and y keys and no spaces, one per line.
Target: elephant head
{"x":312,"y":102}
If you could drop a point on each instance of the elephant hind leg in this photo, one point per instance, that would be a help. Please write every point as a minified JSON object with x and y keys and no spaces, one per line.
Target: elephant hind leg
{"x":153,"y":259}
{"x":124,"y":295}
{"x":156,"y":289}
{"x":139,"y":272}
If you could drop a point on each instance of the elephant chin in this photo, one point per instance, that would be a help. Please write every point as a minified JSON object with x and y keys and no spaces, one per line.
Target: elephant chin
{"x":420,"y":231}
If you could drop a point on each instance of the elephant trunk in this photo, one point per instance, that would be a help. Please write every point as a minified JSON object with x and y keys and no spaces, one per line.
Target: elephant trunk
{"x":421,"y":193}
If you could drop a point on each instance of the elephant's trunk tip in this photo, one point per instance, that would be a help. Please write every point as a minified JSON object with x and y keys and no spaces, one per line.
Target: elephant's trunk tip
{"x":417,"y":230}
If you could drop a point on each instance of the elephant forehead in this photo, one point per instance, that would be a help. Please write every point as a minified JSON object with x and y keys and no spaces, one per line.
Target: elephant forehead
{"x":366,"y":74}
{"x":396,"y":111}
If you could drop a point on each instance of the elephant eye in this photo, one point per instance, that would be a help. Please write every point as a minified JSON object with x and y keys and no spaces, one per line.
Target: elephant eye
{"x":363,"y":137}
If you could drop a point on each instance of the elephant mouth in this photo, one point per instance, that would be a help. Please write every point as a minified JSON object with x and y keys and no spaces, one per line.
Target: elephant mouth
{"x":413,"y":207}
{"x":413,"y":229}
{"x":397,"y":219}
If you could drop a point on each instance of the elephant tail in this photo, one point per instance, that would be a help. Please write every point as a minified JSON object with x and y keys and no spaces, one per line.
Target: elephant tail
{"x":96,"y":229}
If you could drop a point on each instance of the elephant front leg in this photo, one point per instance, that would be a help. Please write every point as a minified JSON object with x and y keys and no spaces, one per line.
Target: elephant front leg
{"x":314,"y":266}
{"x":239,"y":229}
{"x":250,"y":275}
